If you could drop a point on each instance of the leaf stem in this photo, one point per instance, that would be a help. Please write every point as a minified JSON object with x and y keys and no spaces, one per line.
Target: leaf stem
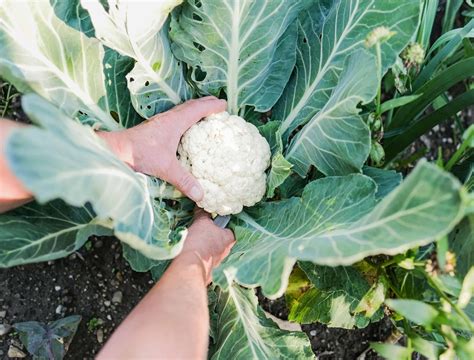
{"x":378,"y":52}
{"x":7,"y":101}
{"x":450,"y":302}
{"x":457,"y":155}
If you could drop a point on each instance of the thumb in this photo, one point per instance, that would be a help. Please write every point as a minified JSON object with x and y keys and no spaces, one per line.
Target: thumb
{"x":185,"y":182}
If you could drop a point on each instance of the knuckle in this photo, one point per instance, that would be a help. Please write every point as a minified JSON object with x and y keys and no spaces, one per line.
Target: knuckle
{"x":186,"y":181}
{"x":229,"y":235}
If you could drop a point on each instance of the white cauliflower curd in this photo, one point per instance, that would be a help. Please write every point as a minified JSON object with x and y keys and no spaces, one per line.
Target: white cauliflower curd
{"x":229,"y":157}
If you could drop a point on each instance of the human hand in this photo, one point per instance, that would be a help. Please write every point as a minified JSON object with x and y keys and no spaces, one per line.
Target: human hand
{"x":151,"y":146}
{"x":206,"y":243}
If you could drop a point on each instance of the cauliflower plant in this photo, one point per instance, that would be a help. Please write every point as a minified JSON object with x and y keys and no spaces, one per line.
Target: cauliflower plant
{"x":229,"y":157}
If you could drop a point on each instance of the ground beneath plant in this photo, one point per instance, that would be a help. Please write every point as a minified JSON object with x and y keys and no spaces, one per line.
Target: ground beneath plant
{"x":95,"y":282}
{"x":98,"y":284}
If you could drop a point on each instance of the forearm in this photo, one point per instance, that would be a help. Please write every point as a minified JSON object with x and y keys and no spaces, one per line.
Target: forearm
{"x":12,"y":191}
{"x":171,"y":322}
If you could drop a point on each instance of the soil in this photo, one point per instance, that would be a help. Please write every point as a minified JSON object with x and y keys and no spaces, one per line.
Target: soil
{"x":334,"y":343}
{"x":82,"y":284}
{"x":85,"y":282}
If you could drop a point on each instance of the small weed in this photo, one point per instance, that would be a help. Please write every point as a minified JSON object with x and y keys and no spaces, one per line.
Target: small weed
{"x":88,"y":246}
{"x":93,"y":324}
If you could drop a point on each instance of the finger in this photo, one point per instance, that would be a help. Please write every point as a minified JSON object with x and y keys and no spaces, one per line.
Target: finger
{"x":192,"y":111}
{"x":229,"y":238}
{"x":185,"y":182}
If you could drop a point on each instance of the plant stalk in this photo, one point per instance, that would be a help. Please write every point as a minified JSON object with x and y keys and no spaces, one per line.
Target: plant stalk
{"x":457,"y":155}
{"x":450,"y":302}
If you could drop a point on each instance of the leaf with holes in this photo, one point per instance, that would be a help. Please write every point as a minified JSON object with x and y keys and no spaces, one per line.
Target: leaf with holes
{"x":40,"y":53}
{"x":157,"y":81}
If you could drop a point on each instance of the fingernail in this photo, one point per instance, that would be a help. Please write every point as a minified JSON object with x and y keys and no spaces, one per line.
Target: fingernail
{"x":196,"y":193}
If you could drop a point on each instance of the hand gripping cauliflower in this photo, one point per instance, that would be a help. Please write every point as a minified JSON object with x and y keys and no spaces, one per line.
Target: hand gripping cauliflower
{"x":229,"y":157}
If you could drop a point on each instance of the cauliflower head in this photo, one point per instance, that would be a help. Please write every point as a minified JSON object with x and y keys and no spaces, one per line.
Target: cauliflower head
{"x":228,"y":156}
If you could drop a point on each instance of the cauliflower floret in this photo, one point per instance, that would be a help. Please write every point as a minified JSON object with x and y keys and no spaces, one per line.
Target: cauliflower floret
{"x":229,"y":157}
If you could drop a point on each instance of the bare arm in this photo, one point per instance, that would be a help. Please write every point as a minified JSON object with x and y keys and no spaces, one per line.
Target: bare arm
{"x":12,"y":192}
{"x":149,"y":148}
{"x":172,"y":321}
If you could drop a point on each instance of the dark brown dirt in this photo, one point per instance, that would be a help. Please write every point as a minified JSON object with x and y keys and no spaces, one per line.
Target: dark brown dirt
{"x":82,"y":284}
{"x":334,"y":343}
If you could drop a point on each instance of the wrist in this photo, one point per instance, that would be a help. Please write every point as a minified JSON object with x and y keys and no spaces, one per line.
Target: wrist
{"x":192,"y":260}
{"x":119,"y":143}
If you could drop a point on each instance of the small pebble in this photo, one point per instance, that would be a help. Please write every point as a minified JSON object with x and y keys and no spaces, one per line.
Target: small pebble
{"x":57,"y":288}
{"x":14,"y":352}
{"x":98,"y":244}
{"x":3,"y":313}
{"x":59,"y":309}
{"x":4,"y":329}
{"x":312,"y":332}
{"x":117,"y":297}
{"x":109,"y":317}
{"x":107,"y":303}
{"x":100,"y":336}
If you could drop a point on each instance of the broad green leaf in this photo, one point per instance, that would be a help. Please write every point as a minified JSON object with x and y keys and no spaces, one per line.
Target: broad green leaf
{"x":159,"y":269}
{"x":324,"y":93}
{"x":138,"y":261}
{"x":40,"y":53}
{"x":332,"y":299}
{"x":81,"y":169}
{"x":426,"y":348}
{"x":48,"y":341}
{"x":391,"y":351}
{"x":118,"y":100}
{"x":414,"y":310}
{"x":461,"y":240}
{"x":338,"y":222}
{"x":293,"y":186}
{"x":73,"y":14}
{"x":242,"y":331}
{"x":336,"y":140}
{"x":141,"y":263}
{"x":372,"y":300}
{"x":270,"y":132}
{"x":35,"y":233}
{"x":298,"y":284}
{"x":115,"y":66}
{"x":328,"y":37}
{"x":245,"y":47}
{"x":157,"y":81}
{"x":386,"y":180}
{"x":279,"y":172}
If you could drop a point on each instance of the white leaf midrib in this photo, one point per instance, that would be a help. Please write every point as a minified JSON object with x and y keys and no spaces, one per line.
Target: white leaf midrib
{"x":63,"y":77}
{"x":322,"y":70}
